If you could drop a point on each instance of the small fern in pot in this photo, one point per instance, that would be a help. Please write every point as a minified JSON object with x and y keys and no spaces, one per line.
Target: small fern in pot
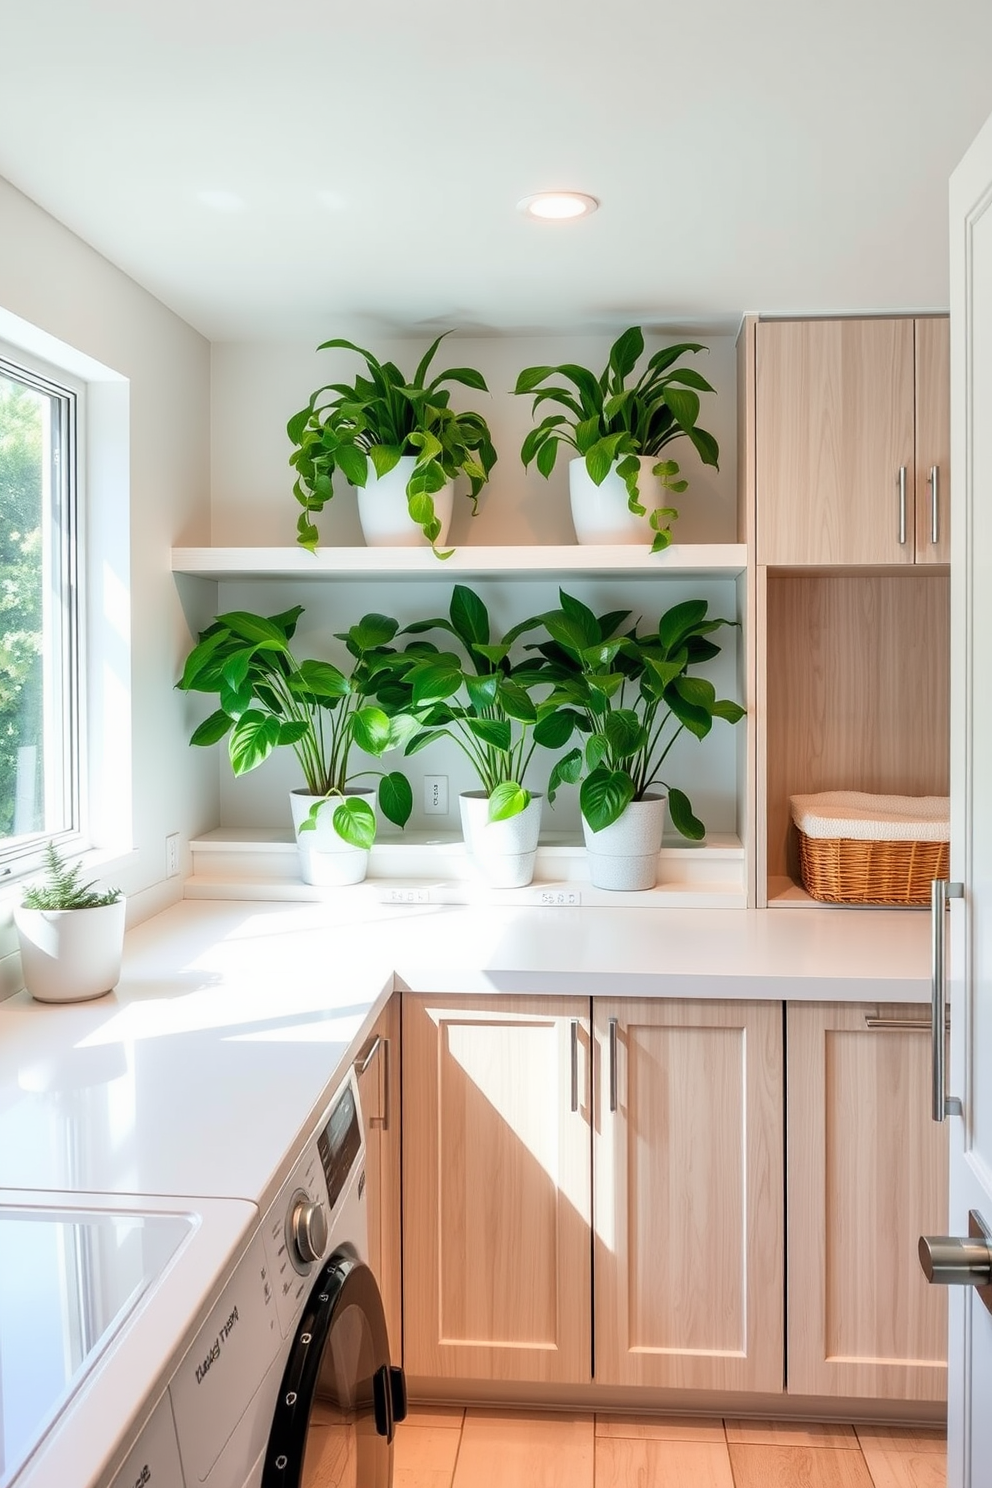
{"x":71,"y":934}
{"x":618,"y":428}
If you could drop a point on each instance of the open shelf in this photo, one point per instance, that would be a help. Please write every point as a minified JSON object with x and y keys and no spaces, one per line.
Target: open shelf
{"x":250,"y":863}
{"x":856,"y":696}
{"x":686,"y":560}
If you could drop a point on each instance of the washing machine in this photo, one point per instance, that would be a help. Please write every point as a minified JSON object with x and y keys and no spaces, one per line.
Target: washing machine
{"x":288,"y":1381}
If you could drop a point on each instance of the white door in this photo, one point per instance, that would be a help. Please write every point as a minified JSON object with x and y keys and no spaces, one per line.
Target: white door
{"x":970,"y":1377}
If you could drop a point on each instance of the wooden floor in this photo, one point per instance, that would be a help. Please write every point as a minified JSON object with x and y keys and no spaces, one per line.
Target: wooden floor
{"x":439,"y":1448}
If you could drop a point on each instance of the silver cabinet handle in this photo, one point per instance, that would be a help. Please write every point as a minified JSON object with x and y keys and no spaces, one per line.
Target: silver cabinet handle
{"x":575,"y":1063}
{"x":940,"y":891}
{"x":902,"y":505}
{"x":376,"y":1045}
{"x":934,"y":504}
{"x":613,"y":1063}
{"x":900,"y":1025}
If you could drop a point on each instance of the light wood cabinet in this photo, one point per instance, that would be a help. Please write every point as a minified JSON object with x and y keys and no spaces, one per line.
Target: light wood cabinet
{"x":497,"y":1192}
{"x":867,"y":1175}
{"x":689,"y":1223}
{"x":851,"y":417}
{"x":378,"y":1071}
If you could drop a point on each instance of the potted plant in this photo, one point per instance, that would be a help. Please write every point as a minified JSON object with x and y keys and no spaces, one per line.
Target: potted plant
{"x":269,"y":699}
{"x":632,"y":695}
{"x":483,"y":703}
{"x":71,"y":936}
{"x":398,"y":442}
{"x":618,"y":428}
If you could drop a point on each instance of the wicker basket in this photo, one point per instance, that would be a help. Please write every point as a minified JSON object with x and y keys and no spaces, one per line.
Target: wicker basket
{"x":839,"y":870}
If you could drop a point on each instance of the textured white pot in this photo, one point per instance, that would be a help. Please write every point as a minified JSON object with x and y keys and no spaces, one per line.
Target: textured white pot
{"x":600,"y":514}
{"x":70,"y":955}
{"x":325,"y":858}
{"x":383,"y":510}
{"x":503,"y":851}
{"x":624,"y":855}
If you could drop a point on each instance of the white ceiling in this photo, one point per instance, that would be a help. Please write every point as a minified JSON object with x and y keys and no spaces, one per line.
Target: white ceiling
{"x":285,"y":168}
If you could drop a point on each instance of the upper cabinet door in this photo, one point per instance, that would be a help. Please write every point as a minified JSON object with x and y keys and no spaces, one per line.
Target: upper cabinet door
{"x":933,"y":440}
{"x":835,"y":441}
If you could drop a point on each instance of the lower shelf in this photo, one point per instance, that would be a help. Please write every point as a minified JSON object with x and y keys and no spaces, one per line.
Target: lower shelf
{"x":250,"y":864}
{"x":783,"y":893}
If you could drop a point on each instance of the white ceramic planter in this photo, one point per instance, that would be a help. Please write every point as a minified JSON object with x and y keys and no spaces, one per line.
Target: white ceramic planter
{"x":600,"y":514}
{"x":325,"y":858}
{"x":504,"y":852}
{"x":624,"y":855}
{"x":71,"y":955}
{"x":383,"y":510}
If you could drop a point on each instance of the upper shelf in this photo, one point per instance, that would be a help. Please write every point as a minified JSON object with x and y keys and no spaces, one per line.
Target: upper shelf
{"x":686,"y":560}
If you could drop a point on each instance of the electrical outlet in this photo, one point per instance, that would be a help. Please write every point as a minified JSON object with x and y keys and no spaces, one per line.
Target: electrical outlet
{"x":555,"y":898}
{"x":172,"y":855}
{"x":436,"y":795}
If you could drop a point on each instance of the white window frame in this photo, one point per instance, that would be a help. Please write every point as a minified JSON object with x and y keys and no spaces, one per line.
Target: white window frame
{"x":61,"y":516}
{"x":101,"y":832}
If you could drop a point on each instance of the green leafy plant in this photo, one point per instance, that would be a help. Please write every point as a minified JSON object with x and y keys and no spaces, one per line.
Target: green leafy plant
{"x":268,"y":699}
{"x":632,"y":695}
{"x":379,"y":418}
{"x":61,"y":889}
{"x":483,"y":702}
{"x":611,"y":421}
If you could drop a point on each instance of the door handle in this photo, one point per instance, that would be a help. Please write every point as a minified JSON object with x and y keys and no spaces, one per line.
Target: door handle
{"x":574,"y":1064}
{"x":940,"y":891}
{"x":950,"y":1260}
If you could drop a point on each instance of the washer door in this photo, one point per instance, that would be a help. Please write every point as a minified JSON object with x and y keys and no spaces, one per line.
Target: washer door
{"x":333,"y":1426}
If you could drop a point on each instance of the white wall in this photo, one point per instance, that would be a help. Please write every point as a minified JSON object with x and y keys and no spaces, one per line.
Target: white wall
{"x":51,"y":281}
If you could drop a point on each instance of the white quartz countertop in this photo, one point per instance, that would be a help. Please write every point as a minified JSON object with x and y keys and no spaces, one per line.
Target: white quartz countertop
{"x":219,"y":1049}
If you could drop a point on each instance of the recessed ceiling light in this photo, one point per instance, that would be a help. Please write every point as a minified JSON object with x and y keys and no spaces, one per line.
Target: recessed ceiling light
{"x":558,"y":206}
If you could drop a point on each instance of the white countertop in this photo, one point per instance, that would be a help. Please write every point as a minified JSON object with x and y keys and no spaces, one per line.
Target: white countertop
{"x":199,"y":1079}
{"x":232,"y":1020}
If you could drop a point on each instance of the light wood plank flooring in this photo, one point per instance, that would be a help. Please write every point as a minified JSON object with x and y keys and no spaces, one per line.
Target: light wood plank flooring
{"x":445,"y":1448}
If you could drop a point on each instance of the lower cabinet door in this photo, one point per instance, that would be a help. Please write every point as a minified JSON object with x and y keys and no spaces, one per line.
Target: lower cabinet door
{"x":867,"y":1175}
{"x":496,"y":1188}
{"x":689,"y":1225}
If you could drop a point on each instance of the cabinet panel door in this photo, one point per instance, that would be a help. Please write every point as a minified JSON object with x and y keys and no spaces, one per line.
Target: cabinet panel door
{"x":867,"y":1175}
{"x":497,"y":1179}
{"x":834,"y":426}
{"x":933,"y":439}
{"x":379,"y":1097}
{"x":689,"y":1227}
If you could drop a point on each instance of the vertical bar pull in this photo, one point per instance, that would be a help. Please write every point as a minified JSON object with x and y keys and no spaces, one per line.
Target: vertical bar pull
{"x":377,"y":1045}
{"x":902,"y":506}
{"x":934,"y":505}
{"x":575,"y":1063}
{"x":940,"y":891}
{"x":613,"y":1063}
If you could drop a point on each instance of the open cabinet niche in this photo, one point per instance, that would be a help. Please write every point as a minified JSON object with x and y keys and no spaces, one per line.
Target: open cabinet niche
{"x":856,"y":696}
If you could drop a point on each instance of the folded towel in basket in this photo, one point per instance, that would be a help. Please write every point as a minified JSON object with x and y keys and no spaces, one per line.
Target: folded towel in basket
{"x":866,"y":818}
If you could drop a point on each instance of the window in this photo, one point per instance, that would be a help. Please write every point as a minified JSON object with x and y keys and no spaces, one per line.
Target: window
{"x":40,"y":728}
